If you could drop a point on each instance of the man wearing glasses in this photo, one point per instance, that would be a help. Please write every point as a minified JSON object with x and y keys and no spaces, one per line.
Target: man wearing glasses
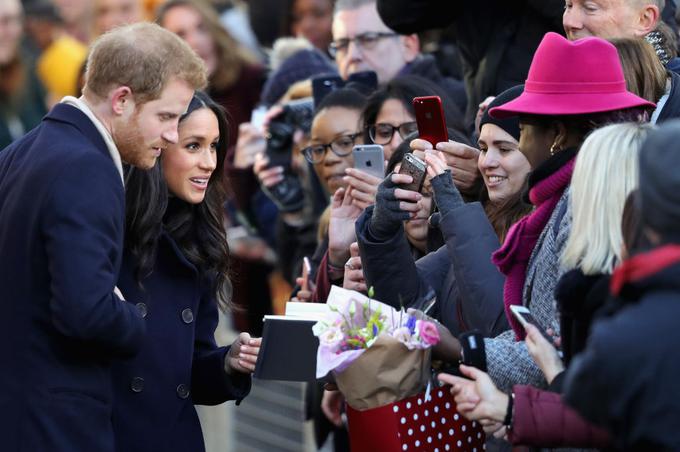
{"x":362,"y":42}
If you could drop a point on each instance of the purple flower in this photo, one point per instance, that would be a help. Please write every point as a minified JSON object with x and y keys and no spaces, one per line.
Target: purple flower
{"x":411,"y":324}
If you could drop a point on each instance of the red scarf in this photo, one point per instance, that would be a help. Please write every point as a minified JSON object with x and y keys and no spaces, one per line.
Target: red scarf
{"x":643,"y":266}
{"x":513,"y":257}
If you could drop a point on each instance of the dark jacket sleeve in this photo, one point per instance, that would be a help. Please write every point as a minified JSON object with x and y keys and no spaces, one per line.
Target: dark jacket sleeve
{"x":542,"y":419}
{"x":83,"y":229}
{"x":471,"y":240}
{"x":210,"y":383}
{"x":390,"y":268}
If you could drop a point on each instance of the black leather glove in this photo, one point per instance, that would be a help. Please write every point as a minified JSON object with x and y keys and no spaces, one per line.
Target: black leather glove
{"x":446,"y":194}
{"x":387,"y":216}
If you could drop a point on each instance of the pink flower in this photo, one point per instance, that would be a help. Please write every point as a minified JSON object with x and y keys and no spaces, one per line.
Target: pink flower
{"x":428,"y":332}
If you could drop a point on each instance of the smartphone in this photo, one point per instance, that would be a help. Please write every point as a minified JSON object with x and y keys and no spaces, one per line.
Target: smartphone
{"x":306,"y":270}
{"x":322,"y":85}
{"x":257,"y":117}
{"x":369,"y":158}
{"x":430,"y":119}
{"x":523,"y":315}
{"x":414,"y":167}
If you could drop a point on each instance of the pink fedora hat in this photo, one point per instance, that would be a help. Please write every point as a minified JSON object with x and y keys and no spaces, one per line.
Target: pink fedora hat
{"x":572,"y":78}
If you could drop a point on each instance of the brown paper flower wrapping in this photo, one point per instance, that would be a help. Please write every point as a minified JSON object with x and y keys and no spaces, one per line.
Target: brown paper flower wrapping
{"x":385,"y":373}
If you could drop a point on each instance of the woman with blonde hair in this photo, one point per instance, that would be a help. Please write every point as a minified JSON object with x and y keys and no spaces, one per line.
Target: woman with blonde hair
{"x":605,"y":173}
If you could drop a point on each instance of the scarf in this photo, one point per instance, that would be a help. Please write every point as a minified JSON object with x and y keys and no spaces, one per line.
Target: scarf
{"x":643,"y":266}
{"x":513,"y":256}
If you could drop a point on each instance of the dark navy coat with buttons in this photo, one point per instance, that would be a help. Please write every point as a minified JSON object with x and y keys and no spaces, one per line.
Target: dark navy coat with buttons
{"x":179,"y":364}
{"x":61,"y":237}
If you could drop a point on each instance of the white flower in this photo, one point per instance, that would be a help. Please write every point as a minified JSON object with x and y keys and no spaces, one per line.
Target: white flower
{"x":332,"y":337}
{"x":403,"y":335}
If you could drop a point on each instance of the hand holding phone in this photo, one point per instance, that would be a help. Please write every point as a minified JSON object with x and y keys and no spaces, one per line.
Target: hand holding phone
{"x":369,"y":158}
{"x":523,"y":315}
{"x":416,"y":168}
{"x":430,"y":119}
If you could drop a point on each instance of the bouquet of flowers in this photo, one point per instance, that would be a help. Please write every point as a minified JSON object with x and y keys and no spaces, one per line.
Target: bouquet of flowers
{"x":379,"y":355}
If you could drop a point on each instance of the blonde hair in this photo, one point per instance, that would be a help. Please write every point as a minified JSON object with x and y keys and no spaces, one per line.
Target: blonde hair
{"x":143,"y":57}
{"x":606,"y":171}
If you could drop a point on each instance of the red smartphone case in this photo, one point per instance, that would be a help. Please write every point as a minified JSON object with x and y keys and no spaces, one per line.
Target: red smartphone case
{"x":430,"y":119}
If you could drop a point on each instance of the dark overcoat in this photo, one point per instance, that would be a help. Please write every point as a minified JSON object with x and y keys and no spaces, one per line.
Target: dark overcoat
{"x":61,"y":237}
{"x":179,"y":364}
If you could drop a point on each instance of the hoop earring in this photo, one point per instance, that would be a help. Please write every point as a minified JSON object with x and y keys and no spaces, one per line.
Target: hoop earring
{"x":554,"y":149}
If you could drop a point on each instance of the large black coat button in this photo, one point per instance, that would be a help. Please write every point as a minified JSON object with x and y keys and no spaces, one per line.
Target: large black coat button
{"x":137,"y":384}
{"x":187,"y":316}
{"x":143,"y":310}
{"x":182,"y":391}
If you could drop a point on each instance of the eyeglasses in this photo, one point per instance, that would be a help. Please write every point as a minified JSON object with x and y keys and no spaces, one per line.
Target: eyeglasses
{"x":365,"y":41}
{"x":382,"y":133}
{"x":341,"y":146}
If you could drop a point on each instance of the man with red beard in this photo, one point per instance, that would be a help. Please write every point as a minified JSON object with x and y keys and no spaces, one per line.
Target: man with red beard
{"x":61,"y":234}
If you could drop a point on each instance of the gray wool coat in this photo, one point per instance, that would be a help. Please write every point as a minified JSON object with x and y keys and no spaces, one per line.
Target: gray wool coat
{"x":508,"y":360}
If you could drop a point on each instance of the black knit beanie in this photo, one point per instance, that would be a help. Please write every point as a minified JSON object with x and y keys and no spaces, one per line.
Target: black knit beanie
{"x":510,"y":125}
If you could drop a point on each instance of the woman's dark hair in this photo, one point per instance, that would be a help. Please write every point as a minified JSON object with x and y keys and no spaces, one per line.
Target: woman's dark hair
{"x":632,"y":231}
{"x":404,"y":88}
{"x":399,"y":152}
{"x":586,"y":123}
{"x":349,"y":98}
{"x":502,"y":215}
{"x":198,"y":229}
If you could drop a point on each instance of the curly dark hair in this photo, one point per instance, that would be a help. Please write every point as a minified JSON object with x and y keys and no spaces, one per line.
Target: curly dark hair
{"x":198,"y":229}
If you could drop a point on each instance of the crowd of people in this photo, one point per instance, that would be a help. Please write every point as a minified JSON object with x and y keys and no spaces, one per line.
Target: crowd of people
{"x":164,"y":160}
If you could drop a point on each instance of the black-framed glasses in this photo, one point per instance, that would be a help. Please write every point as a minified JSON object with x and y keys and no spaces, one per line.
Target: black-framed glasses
{"x":366,"y":41}
{"x":341,"y":146}
{"x":382,"y":133}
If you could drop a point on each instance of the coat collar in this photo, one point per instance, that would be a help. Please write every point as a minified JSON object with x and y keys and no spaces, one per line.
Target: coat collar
{"x":71,"y":115}
{"x":176,"y":251}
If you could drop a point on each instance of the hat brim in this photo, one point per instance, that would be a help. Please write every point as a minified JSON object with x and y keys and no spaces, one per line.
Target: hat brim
{"x":567,"y":104}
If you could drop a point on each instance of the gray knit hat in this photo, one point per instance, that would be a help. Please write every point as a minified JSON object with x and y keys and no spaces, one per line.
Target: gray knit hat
{"x":660,"y":181}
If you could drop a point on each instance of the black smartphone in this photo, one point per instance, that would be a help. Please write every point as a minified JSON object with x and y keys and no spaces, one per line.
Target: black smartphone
{"x":416,"y":168}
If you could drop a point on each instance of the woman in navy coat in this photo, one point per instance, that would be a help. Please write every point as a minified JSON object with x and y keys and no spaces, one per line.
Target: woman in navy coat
{"x":175,"y":271}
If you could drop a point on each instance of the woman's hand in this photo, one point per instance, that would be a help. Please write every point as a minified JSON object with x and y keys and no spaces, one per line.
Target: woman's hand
{"x":304,"y":295}
{"x":341,"y":234}
{"x":249,"y":143}
{"x":242,"y":356}
{"x":364,"y":185}
{"x":268,"y":177}
{"x":393,"y":205}
{"x":477,"y":399}
{"x":331,"y":405}
{"x":543,"y":353}
{"x":459,"y":157}
{"x":446,"y":194}
{"x":354,"y":274}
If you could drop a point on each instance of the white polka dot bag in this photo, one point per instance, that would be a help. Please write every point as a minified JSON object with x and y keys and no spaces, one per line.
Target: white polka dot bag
{"x":414,"y":424}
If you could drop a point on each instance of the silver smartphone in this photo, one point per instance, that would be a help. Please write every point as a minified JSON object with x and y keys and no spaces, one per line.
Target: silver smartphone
{"x":369,"y":158}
